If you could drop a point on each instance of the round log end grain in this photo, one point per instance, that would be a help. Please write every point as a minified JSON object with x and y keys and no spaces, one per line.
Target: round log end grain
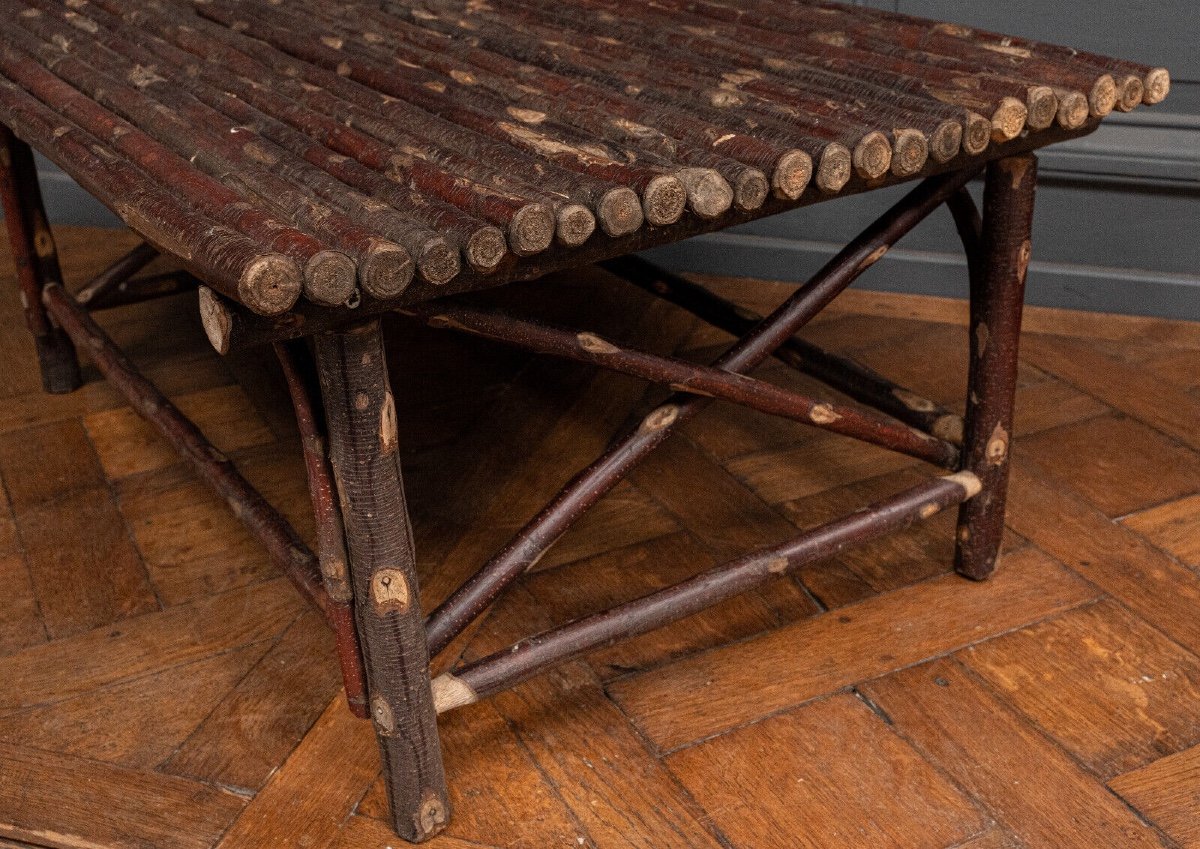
{"x":1157,"y":86}
{"x":271,"y":284}
{"x":946,"y":141}
{"x":385,"y":271}
{"x":872,"y":156}
{"x":575,"y":224}
{"x":438,"y":261}
{"x":1102,"y":99}
{"x":978,"y":134}
{"x":708,"y":193}
{"x":1042,"y":104}
{"x":911,"y":152}
{"x":1073,"y":109}
{"x":834,"y":169}
{"x":484,"y":250}
{"x":793,"y":172}
{"x":531,"y":230}
{"x":664,"y":200}
{"x":327,"y":272}
{"x":750,"y":189}
{"x":1009,"y":119}
{"x":1130,"y":92}
{"x":620,"y":212}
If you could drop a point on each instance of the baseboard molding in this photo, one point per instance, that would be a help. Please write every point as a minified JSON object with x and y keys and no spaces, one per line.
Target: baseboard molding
{"x":1081,"y":287}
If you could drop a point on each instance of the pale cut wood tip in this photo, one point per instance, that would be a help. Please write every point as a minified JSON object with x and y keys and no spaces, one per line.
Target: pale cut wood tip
{"x":438,"y":261}
{"x":834,"y":169}
{"x":327,"y":271}
{"x":450,"y":692}
{"x":1009,"y":119}
{"x":911,"y":152}
{"x":1157,"y":86}
{"x":1102,"y":99}
{"x":872,"y":156}
{"x":575,"y":224}
{"x":620,"y":212}
{"x":969,"y":481}
{"x":977,"y":134}
{"x":483,"y":251}
{"x":1042,"y":104}
{"x":664,"y":200}
{"x":1073,"y":109}
{"x":531,"y":230}
{"x":946,"y":141}
{"x":708,"y":193}
{"x":793,"y":173}
{"x":1130,"y":93}
{"x":216,"y":320}
{"x":385,"y":272}
{"x":750,"y":189}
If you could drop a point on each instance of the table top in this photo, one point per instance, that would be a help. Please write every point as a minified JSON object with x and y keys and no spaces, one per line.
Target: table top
{"x":305,"y":154}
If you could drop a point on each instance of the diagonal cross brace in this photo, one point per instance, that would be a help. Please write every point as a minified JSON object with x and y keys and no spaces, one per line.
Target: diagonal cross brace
{"x":590,"y":485}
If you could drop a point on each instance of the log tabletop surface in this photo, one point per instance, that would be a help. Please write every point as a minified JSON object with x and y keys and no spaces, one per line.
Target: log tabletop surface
{"x":298,"y":154}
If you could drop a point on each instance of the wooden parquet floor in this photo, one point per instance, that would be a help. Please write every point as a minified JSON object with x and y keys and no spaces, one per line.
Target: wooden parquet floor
{"x":162,"y":686}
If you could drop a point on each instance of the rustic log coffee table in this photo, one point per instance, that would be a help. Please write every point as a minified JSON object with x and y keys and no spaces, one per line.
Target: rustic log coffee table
{"x":312,"y":165}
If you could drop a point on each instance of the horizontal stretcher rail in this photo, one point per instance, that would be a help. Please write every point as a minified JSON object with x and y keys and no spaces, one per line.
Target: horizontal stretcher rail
{"x":691,"y":379}
{"x":505,"y":668}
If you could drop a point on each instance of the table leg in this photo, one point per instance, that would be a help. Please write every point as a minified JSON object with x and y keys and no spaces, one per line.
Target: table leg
{"x":36,"y":259}
{"x":997,"y":296}
{"x":361,"y":417}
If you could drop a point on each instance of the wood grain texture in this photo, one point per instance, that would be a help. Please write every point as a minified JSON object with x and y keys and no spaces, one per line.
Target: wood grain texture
{"x":1172,"y":528}
{"x":1167,"y":792}
{"x":959,"y":725}
{"x":1111,"y":690}
{"x":727,"y":687}
{"x":901,"y":801}
{"x":63,"y":801}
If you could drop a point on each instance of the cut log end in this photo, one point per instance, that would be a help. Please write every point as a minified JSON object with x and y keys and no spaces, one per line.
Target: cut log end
{"x":620,"y":212}
{"x":750,"y":189}
{"x":872,"y":156}
{"x":911,"y":152}
{"x":708,"y":193}
{"x":946,"y":141}
{"x":835,"y":168}
{"x":1102,"y":99}
{"x":1073,"y":109}
{"x":575,"y":225}
{"x":327,"y":272}
{"x":216,"y":320}
{"x":484,"y":250}
{"x":438,"y":261}
{"x":272,"y":284}
{"x":1130,"y":92}
{"x":664,"y":200}
{"x":450,"y":692}
{"x":1157,"y":86}
{"x":793,"y":172}
{"x":978,"y":134}
{"x":386,"y":271}
{"x":1042,"y":105}
{"x":531,"y":230}
{"x":1009,"y":119}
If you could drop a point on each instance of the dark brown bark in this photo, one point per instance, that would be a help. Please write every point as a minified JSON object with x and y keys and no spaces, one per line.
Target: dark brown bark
{"x":286,"y":549}
{"x":997,"y":295}
{"x":664,"y":196}
{"x":35,"y":258}
{"x":591,"y":484}
{"x":689,"y":378}
{"x":231,"y":262}
{"x":842,"y":373}
{"x":361,"y":418}
{"x":104,"y":283}
{"x":299,"y":374}
{"x":532,"y":655}
{"x":145,"y":288}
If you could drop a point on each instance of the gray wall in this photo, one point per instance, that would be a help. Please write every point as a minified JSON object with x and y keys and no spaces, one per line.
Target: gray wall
{"x":1118,"y":222}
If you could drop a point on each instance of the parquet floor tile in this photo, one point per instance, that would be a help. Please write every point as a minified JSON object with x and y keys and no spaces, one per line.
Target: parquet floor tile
{"x":162,"y":686}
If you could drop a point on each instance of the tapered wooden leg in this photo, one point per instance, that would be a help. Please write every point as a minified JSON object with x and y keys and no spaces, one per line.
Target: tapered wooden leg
{"x":36,"y":261}
{"x":361,"y":417}
{"x":997,"y":296}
